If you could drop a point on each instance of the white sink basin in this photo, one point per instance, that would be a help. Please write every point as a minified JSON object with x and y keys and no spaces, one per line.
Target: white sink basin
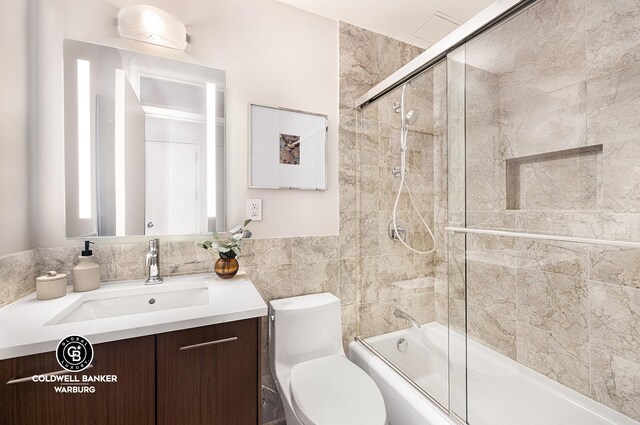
{"x":121,"y":310}
{"x":93,"y":307}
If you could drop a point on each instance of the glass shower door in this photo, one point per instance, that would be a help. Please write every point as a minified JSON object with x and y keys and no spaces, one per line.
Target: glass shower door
{"x":544,"y":147}
{"x":456,"y":302}
{"x":404,"y":299}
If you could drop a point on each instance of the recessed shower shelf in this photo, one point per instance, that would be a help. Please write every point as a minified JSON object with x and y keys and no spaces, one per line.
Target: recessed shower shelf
{"x":563,"y":180}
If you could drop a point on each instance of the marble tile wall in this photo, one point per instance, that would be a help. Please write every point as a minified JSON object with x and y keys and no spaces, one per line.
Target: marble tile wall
{"x":391,"y":276}
{"x":19,"y":272}
{"x":560,"y":75}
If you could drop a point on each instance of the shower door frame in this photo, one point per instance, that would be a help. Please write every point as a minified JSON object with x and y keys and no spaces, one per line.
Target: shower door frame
{"x":477,"y":25}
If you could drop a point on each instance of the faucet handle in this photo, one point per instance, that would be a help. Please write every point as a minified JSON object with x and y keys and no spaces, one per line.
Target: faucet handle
{"x":154,"y":244}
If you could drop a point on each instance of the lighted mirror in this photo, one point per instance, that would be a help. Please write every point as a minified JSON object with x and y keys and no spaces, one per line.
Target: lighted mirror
{"x":144,"y":144}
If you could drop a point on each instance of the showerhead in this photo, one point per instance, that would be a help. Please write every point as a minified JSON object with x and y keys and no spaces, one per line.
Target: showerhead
{"x":411,"y":117}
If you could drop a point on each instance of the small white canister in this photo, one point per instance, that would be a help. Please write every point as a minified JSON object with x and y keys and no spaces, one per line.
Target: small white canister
{"x":50,"y":286}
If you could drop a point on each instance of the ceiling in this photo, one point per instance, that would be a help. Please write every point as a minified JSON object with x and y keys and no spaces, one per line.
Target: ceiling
{"x":417,"y":22}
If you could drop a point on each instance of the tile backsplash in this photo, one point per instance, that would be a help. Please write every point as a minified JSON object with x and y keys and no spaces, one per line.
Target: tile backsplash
{"x":18,"y":274}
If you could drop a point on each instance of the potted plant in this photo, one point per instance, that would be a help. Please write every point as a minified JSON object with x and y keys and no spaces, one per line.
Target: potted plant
{"x":228,"y":249}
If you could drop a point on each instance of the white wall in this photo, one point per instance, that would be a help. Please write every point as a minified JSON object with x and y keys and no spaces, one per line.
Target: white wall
{"x":273,"y":54}
{"x":15,"y":232}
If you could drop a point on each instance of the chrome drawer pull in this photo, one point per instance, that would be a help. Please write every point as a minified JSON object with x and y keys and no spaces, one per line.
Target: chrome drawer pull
{"x":30,"y":378}
{"x":205,"y":344}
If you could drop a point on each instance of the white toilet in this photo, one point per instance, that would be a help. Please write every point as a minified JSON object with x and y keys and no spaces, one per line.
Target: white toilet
{"x":317,"y":383}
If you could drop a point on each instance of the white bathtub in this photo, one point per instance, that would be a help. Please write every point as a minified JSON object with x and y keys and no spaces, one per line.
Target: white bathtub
{"x":501,"y":391}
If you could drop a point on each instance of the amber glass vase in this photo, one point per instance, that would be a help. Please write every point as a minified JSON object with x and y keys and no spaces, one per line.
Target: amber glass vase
{"x":226,"y":268}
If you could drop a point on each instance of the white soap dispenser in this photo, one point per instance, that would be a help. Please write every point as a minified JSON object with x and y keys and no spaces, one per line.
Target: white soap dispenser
{"x":86,"y":275}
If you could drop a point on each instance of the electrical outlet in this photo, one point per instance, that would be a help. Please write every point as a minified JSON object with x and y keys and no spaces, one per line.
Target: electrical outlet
{"x":254,"y":209}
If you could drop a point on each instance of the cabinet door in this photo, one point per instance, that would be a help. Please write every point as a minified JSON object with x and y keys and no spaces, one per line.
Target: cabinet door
{"x":131,"y":400}
{"x":209,"y":375}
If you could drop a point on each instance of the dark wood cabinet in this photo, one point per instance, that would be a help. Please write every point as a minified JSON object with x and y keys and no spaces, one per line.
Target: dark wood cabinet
{"x":208,"y":375}
{"x":129,"y":401}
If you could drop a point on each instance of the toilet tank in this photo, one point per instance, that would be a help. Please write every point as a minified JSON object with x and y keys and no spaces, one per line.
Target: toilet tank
{"x":304,"y":328}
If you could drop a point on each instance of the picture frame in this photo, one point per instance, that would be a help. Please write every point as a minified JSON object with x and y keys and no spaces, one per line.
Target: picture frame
{"x":287,"y":148}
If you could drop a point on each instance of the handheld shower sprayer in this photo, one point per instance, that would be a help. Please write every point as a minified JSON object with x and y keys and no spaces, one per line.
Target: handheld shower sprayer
{"x":408,"y":120}
{"x":411,"y":117}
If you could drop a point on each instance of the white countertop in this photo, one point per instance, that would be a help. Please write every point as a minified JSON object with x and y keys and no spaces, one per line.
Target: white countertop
{"x":25,"y":328}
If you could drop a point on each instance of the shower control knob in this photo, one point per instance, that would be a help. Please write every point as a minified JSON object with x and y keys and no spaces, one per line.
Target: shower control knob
{"x":150,"y":225}
{"x":397,"y":233}
{"x":397,"y":171}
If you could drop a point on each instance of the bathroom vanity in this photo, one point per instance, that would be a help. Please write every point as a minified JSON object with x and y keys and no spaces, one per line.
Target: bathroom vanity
{"x":193,"y":364}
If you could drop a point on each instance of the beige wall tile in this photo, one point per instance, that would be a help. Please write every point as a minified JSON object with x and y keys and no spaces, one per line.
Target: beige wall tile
{"x":350,"y":280}
{"x":493,"y":250}
{"x":484,"y":142}
{"x":314,"y":278}
{"x":542,"y":63}
{"x":312,"y":249}
{"x":495,"y":331}
{"x":486,"y":187}
{"x":492,"y":287}
{"x":620,"y":172}
{"x":611,"y":29}
{"x":569,"y":259}
{"x":615,"y":265}
{"x":547,"y":122}
{"x":359,"y":62}
{"x":561,"y":359}
{"x":613,"y":101}
{"x":587,"y":225}
{"x":555,"y":303}
{"x":177,"y":257}
{"x":19,"y":273}
{"x":273,"y":282}
{"x":266,"y":252}
{"x":615,"y":320}
{"x":615,"y":382}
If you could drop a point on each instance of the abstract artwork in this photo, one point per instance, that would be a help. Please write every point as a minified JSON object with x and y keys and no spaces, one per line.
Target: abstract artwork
{"x":289,"y":149}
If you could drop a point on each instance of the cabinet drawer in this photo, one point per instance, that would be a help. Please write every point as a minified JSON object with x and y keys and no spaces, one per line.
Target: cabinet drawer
{"x":129,"y":401}
{"x":209,"y":375}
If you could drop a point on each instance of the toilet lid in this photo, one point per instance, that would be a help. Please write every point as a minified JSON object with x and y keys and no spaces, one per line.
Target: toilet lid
{"x":333,"y":391}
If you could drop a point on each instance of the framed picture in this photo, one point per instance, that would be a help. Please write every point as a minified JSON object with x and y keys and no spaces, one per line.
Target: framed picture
{"x":287,"y":149}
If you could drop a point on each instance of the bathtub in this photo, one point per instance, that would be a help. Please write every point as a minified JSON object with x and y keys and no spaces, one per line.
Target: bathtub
{"x":501,"y":391}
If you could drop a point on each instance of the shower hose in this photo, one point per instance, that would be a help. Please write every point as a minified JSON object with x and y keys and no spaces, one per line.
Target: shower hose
{"x":404,"y":131}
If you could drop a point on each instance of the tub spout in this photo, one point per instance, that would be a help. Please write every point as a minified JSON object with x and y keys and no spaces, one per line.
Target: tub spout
{"x":403,"y":315}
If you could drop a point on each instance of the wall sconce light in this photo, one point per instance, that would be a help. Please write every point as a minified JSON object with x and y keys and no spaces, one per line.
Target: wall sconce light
{"x":152,"y":25}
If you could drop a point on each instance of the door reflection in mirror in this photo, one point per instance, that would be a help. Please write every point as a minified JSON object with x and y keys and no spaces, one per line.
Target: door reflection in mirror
{"x":144,"y":143}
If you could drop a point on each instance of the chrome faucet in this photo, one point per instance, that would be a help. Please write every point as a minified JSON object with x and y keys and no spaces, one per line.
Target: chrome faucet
{"x":402,"y":315}
{"x":152,"y":263}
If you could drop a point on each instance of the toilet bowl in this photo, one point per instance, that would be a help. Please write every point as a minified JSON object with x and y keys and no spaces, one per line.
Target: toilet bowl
{"x":318,"y":385}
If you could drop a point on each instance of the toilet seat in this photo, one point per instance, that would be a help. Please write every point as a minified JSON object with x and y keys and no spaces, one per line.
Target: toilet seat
{"x":333,"y":391}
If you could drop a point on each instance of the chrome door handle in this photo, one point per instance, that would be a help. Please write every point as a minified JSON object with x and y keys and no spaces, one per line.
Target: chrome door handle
{"x":30,"y":378}
{"x":206,"y":344}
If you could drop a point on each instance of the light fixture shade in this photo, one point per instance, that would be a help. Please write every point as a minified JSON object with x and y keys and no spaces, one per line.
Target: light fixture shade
{"x":152,"y":25}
